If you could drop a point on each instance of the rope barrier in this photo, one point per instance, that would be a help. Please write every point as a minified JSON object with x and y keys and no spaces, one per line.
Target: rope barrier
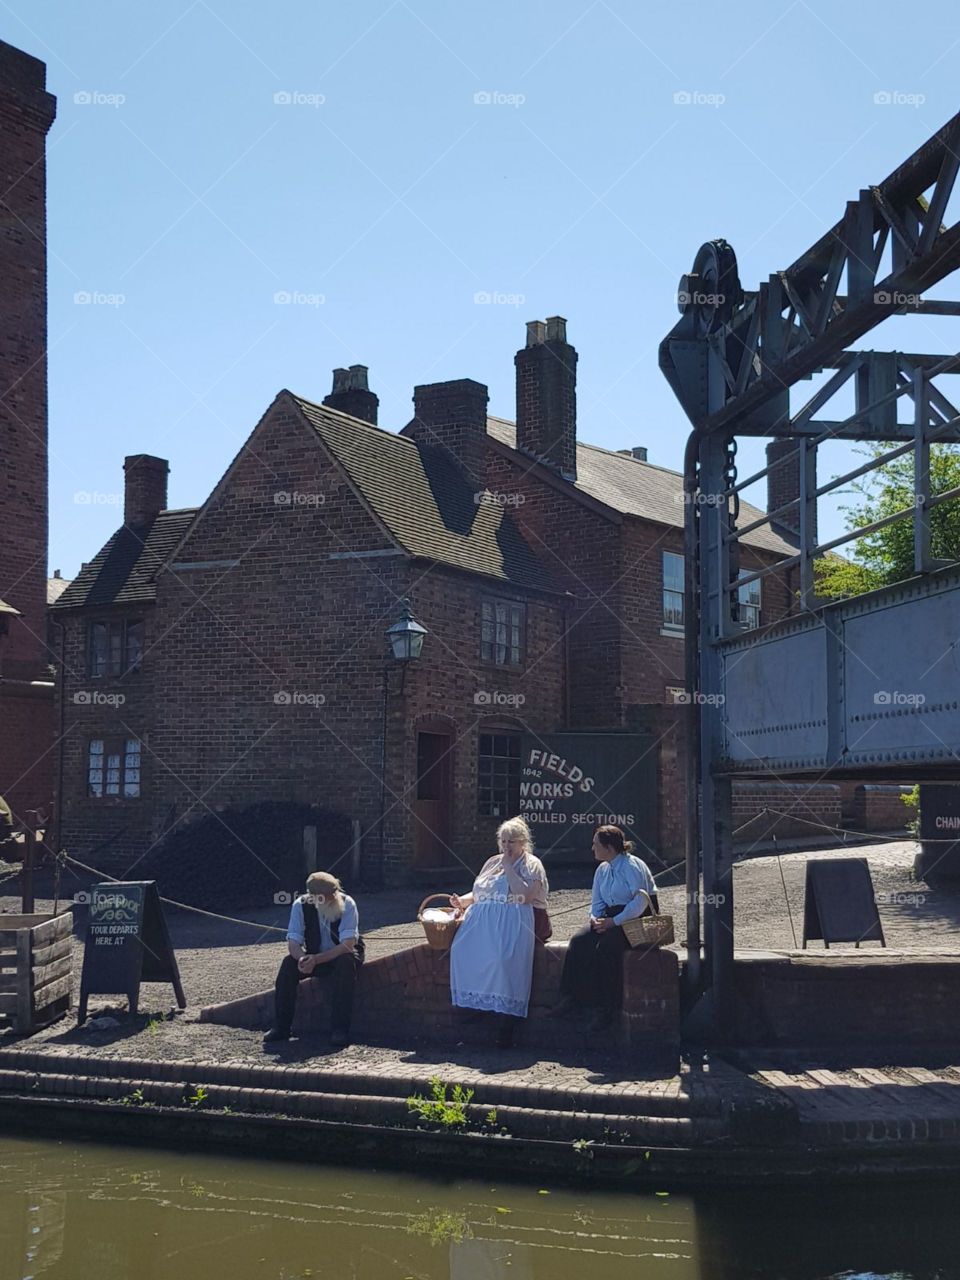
{"x":374,"y":936}
{"x":183,"y":906}
{"x":848,"y":831}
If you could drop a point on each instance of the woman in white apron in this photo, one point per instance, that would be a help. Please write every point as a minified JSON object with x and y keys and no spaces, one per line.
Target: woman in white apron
{"x":491,"y":960}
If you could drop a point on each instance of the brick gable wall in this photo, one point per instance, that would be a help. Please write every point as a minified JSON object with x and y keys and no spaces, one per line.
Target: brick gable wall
{"x":265,"y":680}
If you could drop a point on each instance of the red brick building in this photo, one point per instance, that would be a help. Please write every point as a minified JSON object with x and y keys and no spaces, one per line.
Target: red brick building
{"x":26,"y":684}
{"x":236,"y":652}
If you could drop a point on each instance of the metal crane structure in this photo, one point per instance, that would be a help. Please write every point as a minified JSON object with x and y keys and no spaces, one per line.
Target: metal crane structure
{"x":802,"y":699}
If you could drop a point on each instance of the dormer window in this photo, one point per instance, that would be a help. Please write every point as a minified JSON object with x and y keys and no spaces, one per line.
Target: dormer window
{"x":114,"y":648}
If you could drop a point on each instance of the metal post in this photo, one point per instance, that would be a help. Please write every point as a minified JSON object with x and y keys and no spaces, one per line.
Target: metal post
{"x":922,"y":555}
{"x":26,"y":873}
{"x":808,"y":520}
{"x":383,"y":770}
{"x":715,"y":623}
{"x":690,"y":719}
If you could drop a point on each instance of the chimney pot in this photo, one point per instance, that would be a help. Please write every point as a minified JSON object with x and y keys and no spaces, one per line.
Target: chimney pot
{"x":536,"y":333}
{"x":351,"y":394}
{"x":556,"y":329}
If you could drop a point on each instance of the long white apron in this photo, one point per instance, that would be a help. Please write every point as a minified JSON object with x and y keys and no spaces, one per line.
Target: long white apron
{"x":491,"y":960}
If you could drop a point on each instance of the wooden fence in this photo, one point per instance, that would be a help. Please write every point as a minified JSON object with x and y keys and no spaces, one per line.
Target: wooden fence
{"x":36,"y":962}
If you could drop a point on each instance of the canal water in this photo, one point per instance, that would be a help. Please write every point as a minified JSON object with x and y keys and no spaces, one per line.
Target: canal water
{"x":87,"y":1212}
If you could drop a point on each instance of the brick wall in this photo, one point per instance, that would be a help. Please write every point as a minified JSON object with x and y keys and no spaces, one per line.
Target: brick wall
{"x":875,"y":806}
{"x":27,"y":749}
{"x":26,"y":709}
{"x":111,"y":830}
{"x":444,"y":685}
{"x":862,"y":999}
{"x":581,"y":548}
{"x":804,"y":803}
{"x":407,"y":994}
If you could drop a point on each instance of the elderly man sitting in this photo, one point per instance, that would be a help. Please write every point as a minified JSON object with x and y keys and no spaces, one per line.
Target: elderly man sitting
{"x":323,"y":940}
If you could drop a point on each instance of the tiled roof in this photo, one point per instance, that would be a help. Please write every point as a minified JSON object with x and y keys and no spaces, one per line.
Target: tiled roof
{"x":426,"y":502}
{"x":125,"y":570}
{"x":641,"y":489}
{"x":426,"y":505}
{"x":8,"y":608}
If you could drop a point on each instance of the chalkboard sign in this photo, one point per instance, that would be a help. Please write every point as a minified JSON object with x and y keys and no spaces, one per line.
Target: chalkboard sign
{"x":127,"y":943}
{"x":840,"y":903}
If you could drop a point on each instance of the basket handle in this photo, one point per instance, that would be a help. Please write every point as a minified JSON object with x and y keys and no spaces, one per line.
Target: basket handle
{"x":429,"y":898}
{"x":653,"y":909}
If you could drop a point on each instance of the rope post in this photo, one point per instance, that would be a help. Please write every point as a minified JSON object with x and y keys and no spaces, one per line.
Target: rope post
{"x":26,"y":875}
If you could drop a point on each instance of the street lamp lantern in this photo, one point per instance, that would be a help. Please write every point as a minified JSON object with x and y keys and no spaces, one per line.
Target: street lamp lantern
{"x":406,"y":636}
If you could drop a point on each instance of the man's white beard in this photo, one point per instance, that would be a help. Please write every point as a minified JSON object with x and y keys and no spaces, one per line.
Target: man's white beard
{"x":330,"y":910}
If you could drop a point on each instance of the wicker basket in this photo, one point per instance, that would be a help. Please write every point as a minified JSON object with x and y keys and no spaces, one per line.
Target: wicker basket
{"x":439,"y":934}
{"x":652,"y":930}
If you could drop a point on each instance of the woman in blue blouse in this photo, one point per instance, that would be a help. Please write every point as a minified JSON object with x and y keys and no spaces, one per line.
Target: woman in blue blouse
{"x":593,"y":969}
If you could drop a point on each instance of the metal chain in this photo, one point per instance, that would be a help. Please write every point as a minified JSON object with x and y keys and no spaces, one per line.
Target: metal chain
{"x":730,"y":477}
{"x":733,"y":515}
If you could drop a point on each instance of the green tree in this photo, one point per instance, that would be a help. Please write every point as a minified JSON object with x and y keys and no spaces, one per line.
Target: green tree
{"x":886,"y":555}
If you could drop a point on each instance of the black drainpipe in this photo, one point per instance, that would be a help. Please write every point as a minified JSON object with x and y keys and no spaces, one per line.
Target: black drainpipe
{"x":54,"y":845}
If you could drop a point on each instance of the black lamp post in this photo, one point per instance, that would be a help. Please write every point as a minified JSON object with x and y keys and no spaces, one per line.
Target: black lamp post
{"x":405,"y":638}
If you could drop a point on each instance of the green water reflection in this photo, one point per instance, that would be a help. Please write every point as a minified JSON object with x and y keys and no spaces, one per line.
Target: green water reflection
{"x":86,"y":1212}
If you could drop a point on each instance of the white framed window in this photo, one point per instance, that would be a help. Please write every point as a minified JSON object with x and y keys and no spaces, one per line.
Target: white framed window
{"x":672,"y":591}
{"x":749,"y":601}
{"x":502,"y":627}
{"x":113,"y":768}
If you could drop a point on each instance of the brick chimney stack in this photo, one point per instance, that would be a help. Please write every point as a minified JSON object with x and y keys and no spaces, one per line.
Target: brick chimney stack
{"x":453,"y":415}
{"x":352,"y":395}
{"x":783,"y":483}
{"x":547,"y":396}
{"x":26,"y":113}
{"x":144,"y":488}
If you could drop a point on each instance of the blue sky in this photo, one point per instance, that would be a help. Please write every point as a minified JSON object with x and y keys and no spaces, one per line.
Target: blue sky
{"x":184,"y":196}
